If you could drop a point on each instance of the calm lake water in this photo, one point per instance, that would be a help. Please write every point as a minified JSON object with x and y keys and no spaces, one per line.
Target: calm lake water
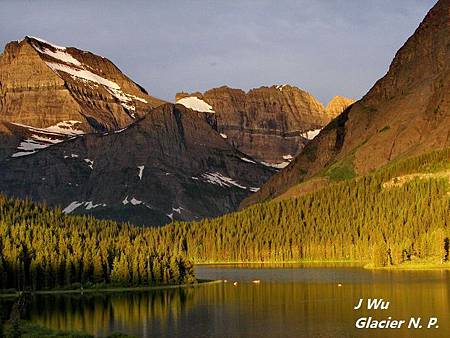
{"x":289,"y":301}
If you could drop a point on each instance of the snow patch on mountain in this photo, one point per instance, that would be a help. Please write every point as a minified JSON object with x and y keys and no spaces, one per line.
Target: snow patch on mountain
{"x":119,"y":131}
{"x":113,"y":88}
{"x":276,"y":165}
{"x":61,"y":128}
{"x":71,"y":207}
{"x":29,"y":146}
{"x":84,"y":74}
{"x":135,"y":201}
{"x":87,"y":205}
{"x":42,"y":138}
{"x":288,"y":159}
{"x":89,"y":162}
{"x":59,"y":54}
{"x":178,"y":210}
{"x":141,"y":171}
{"x":132,"y":201}
{"x":46,"y":42}
{"x":311,"y":134}
{"x":194,"y":103}
{"x":245,"y":159}
{"x":71,"y":156}
{"x":221,"y":180}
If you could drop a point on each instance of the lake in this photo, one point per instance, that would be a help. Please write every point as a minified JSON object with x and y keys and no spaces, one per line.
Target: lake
{"x":291,"y":300}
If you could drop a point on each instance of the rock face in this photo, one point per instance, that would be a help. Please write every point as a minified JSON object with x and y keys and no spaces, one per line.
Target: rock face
{"x":77,"y":133}
{"x":407,"y":112}
{"x":42,"y":85}
{"x":272,"y":124}
{"x":169,"y":165}
{"x":337,"y":105}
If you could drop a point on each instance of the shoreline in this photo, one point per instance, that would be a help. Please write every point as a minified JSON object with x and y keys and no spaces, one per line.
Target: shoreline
{"x":411,"y":266}
{"x":112,"y":289}
{"x":361,"y":263}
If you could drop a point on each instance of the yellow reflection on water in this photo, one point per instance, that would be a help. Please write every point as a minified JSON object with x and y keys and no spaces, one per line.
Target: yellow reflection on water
{"x":267,"y":309}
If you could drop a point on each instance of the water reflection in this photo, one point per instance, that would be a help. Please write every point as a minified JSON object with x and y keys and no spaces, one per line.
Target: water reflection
{"x":103,"y":314}
{"x":289,"y":302}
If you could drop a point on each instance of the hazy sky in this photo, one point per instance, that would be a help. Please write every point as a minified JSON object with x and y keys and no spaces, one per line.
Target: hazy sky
{"x":334,"y":47}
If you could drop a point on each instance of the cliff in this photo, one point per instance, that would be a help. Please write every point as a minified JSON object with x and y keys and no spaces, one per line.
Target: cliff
{"x":271,"y":124}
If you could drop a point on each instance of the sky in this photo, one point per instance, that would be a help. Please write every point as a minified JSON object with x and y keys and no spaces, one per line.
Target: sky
{"x":327,"y":47}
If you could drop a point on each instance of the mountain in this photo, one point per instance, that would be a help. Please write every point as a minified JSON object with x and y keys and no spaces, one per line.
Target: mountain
{"x":168,"y":165}
{"x":337,"y":105}
{"x":50,"y":93}
{"x":407,"y":112}
{"x":271,"y":124}
{"x":44,"y":85}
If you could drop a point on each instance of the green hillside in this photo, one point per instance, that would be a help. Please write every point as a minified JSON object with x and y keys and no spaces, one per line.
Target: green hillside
{"x":368,"y":218}
{"x":388,"y":217}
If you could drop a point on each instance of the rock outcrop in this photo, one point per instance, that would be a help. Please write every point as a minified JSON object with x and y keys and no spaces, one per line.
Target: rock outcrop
{"x":407,"y":112}
{"x":272,"y":124}
{"x":43,"y":85}
{"x":169,"y":165}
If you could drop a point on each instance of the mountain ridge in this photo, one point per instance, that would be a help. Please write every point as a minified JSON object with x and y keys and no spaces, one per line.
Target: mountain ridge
{"x":168,"y":165}
{"x":406,"y":112}
{"x":270,"y":123}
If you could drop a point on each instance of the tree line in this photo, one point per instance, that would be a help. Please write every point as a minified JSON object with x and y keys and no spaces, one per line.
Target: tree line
{"x":42,"y":248}
{"x":357,"y":219}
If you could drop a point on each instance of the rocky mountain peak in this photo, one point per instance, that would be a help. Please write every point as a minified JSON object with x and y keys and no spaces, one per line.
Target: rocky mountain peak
{"x":425,"y":54}
{"x":43,"y":84}
{"x":337,"y":105}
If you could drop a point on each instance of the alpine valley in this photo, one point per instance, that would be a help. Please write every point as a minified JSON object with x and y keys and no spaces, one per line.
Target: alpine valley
{"x":229,"y":213}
